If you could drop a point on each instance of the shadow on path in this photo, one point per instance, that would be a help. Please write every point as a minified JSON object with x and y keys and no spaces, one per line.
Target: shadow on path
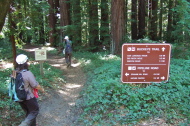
{"x":57,"y":107}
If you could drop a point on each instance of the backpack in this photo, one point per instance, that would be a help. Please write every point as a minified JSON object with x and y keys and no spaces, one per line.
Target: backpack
{"x":68,"y":48}
{"x":16,"y":88}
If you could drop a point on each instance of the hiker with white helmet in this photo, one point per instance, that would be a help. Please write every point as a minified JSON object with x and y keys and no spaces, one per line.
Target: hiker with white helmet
{"x":67,"y":50}
{"x":31,"y":86}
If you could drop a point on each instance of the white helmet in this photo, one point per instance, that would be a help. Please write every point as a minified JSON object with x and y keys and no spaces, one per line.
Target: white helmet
{"x":21,"y":59}
{"x":66,"y":37}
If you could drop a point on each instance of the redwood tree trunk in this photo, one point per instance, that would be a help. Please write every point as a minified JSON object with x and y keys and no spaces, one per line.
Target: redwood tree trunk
{"x":153,"y":20}
{"x":93,"y":24}
{"x":64,"y":14}
{"x":160,"y":19}
{"x":104,"y":29}
{"x":170,"y":21}
{"x":117,"y":24}
{"x":12,"y":38}
{"x":141,"y":18}
{"x":5,"y":6}
{"x":52,"y":20}
{"x":76,"y":18}
{"x":134,"y":20}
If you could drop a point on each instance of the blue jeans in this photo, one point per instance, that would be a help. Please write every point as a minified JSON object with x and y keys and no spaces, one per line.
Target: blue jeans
{"x":31,"y":108}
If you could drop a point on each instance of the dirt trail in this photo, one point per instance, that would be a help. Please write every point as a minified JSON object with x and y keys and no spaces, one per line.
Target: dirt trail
{"x":57,"y":107}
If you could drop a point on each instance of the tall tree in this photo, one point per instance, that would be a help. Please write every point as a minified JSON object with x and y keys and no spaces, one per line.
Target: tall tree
{"x":52,"y":22}
{"x":11,"y":35}
{"x":117,"y":24}
{"x":93,"y":24}
{"x":134,"y":27}
{"x":153,"y":19}
{"x":76,"y":22}
{"x":170,"y":21}
{"x":141,"y":18}
{"x":4,"y":5}
{"x":104,"y":28}
{"x":65,"y":14}
{"x":160,"y":20}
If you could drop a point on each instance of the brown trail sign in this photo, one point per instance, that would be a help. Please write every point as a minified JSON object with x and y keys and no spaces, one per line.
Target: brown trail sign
{"x":145,"y":62}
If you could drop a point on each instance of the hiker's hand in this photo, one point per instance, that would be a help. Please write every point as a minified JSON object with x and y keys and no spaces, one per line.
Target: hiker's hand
{"x":40,"y":88}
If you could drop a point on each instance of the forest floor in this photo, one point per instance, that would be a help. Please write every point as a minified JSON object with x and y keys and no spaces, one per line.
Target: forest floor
{"x":57,"y":106}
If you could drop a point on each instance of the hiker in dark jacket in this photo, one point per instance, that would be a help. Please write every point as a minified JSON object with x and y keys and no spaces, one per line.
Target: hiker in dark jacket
{"x":30,"y":105}
{"x":67,"y":50}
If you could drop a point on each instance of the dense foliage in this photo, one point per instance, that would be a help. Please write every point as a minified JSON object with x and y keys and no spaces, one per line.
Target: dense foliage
{"x":107,"y":101}
{"x":92,"y":24}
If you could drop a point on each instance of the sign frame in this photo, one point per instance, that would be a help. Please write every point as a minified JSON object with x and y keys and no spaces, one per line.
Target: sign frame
{"x":145,"y":62}
{"x":40,"y":54}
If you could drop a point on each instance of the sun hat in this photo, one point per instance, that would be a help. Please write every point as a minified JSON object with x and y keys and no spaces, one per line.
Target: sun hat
{"x":66,"y":37}
{"x":21,"y":59}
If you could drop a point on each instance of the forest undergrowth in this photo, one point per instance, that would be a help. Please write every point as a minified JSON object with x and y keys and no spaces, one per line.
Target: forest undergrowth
{"x":107,"y":101}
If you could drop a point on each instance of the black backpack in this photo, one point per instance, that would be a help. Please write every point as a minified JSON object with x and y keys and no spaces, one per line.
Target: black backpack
{"x":16,"y":88}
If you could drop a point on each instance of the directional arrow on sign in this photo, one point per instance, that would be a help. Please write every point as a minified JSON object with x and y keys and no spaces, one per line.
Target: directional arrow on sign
{"x":163,"y":78}
{"x":163,"y":49}
{"x":126,"y":74}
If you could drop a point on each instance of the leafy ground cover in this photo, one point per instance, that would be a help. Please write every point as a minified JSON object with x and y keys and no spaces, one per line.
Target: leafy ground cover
{"x":106,"y":101}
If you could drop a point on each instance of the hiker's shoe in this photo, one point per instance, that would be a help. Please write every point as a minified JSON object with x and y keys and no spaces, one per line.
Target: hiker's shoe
{"x":69,"y":64}
{"x":23,"y":124}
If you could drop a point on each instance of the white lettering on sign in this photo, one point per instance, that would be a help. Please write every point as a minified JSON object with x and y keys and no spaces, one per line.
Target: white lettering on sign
{"x":145,"y":73}
{"x":130,"y":61}
{"x":143,"y":49}
{"x":156,"y":73}
{"x":141,"y":77}
{"x":155,"y":49}
{"x":134,"y":74}
{"x":143,"y":68}
{"x":154,"y":68}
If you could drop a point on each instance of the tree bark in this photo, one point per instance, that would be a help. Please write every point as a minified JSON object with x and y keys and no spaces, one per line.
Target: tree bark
{"x":117,"y":25}
{"x":93,"y":24}
{"x":5,"y":6}
{"x":160,"y":19}
{"x":11,"y":37}
{"x":52,"y":20}
{"x":170,"y":21}
{"x":104,"y":29}
{"x":134,"y":20}
{"x":64,"y":14}
{"x":153,"y":20}
{"x":76,"y":17}
{"x":141,"y":19}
